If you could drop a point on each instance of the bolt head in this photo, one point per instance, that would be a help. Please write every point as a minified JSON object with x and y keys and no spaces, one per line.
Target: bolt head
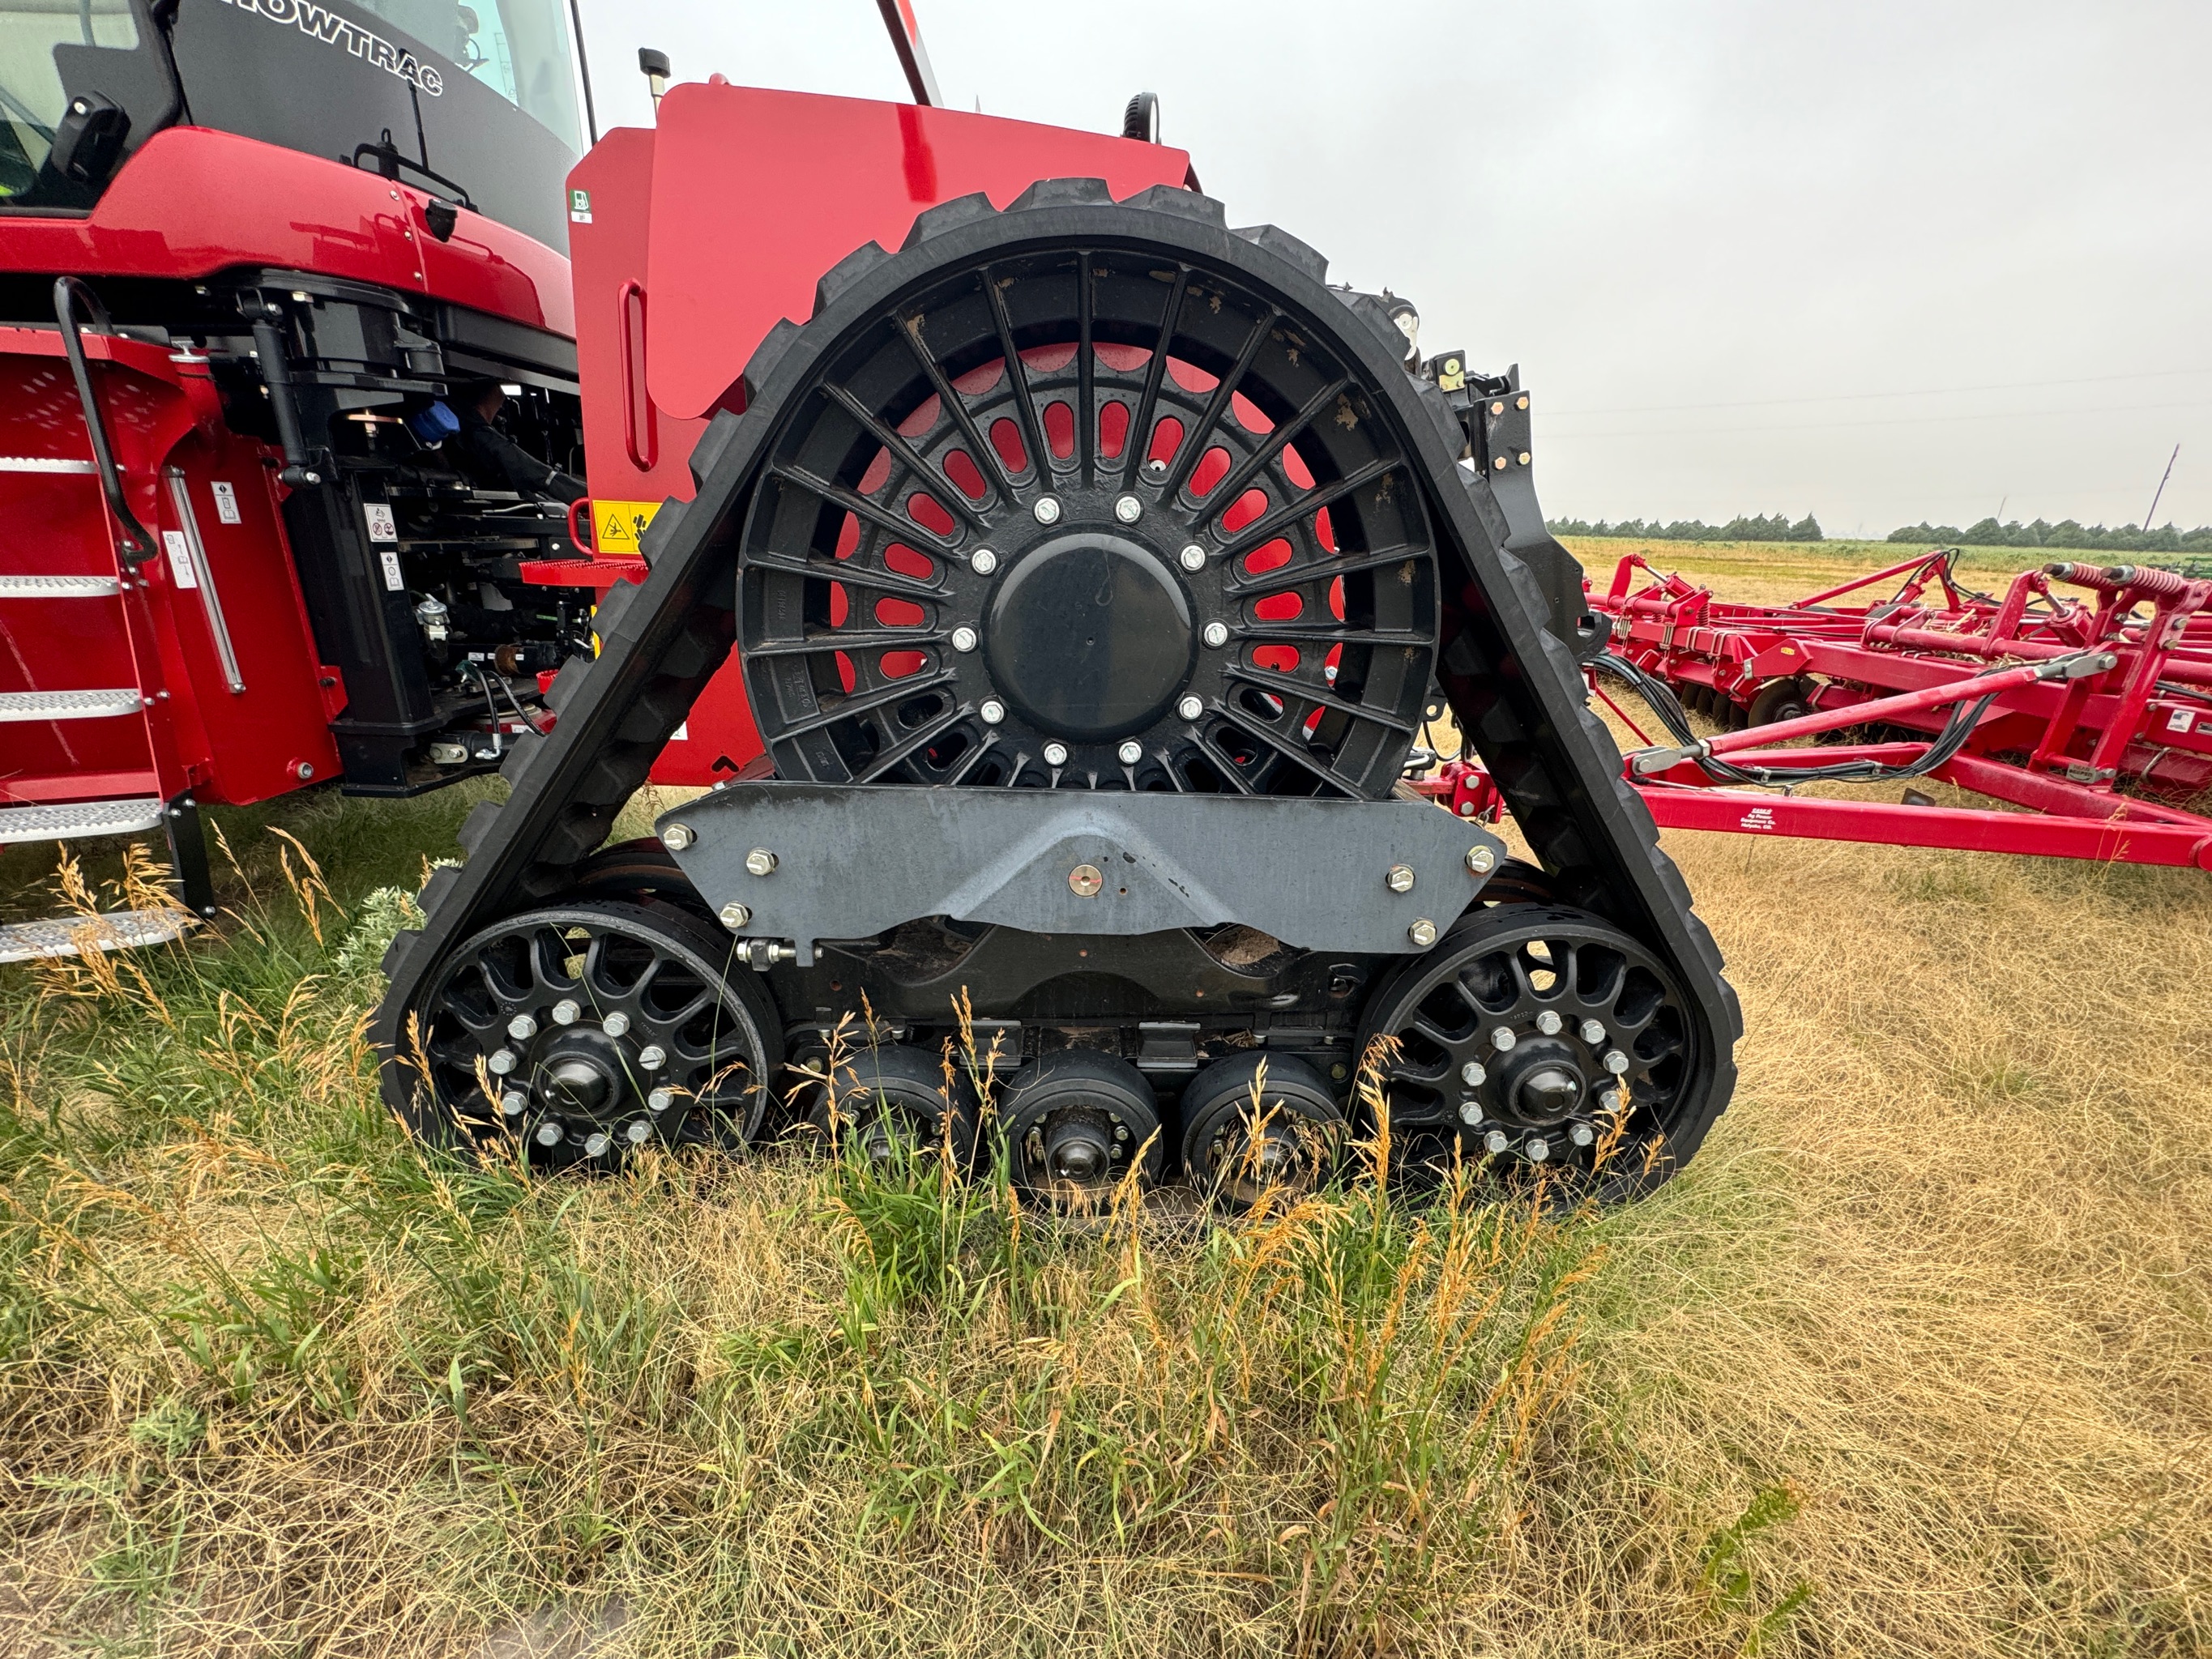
{"x":1055,"y":754}
{"x":735,"y":916}
{"x":1503,"y":1038}
{"x":1191,"y":708}
{"x":1499,"y":464}
{"x":1495,"y":1142}
{"x":1217,"y":634}
{"x":660,"y":1100}
{"x":1399,"y":878}
{"x":1613,"y":1101}
{"x":522,"y":1028}
{"x":993,"y":711}
{"x":1470,"y":1112}
{"x":1472,"y":1074}
{"x":548,"y":1133}
{"x":1466,"y":811}
{"x":597,"y":1142}
{"x":652,"y":1057}
{"x":502,"y":1062}
{"x":1480,"y":861}
{"x":678,"y":837}
{"x":1130,"y":752}
{"x":1592,"y":1032}
{"x":1084,"y":881}
{"x":982,"y":562}
{"x":1537,"y":1150}
{"x":1192,"y":558}
{"x":1549,"y":1023}
{"x":1047,"y":509}
{"x":1422,"y":933}
{"x":1615,"y":1062}
{"x":616,"y":1023}
{"x":760,"y":862}
{"x":964,"y":638}
{"x":1129,"y":509}
{"x":306,"y":768}
{"x":566,"y":1012}
{"x":1582,"y":1134}
{"x":636,"y":1132}
{"x":512,"y":1102}
{"x":1524,"y":457}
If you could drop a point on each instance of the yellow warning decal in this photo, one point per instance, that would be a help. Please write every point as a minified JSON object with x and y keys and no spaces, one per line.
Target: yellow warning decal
{"x":616,"y":525}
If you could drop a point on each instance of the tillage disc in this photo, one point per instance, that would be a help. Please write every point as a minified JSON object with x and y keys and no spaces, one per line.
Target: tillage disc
{"x":1089,"y":517}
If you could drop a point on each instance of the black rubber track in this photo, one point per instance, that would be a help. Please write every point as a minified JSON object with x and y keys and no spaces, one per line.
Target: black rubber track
{"x":1514,"y":683}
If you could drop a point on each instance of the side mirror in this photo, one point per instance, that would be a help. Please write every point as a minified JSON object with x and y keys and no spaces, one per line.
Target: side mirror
{"x":89,"y":138}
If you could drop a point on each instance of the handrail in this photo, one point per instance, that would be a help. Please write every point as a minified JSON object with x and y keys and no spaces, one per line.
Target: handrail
{"x":137,"y":546}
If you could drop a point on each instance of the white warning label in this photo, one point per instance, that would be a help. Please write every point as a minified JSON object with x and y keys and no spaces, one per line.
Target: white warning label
{"x":2179,"y":720}
{"x":1760,"y":817}
{"x":180,"y":559}
{"x":392,"y":578}
{"x":382,"y":527}
{"x":226,"y":501}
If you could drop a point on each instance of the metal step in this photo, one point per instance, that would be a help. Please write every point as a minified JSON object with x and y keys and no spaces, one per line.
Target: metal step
{"x":67,"y":936}
{"x":72,"y":819}
{"x":58,"y":587}
{"x":69,"y":705}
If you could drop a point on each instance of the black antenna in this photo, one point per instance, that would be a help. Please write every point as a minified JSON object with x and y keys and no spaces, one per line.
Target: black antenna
{"x":2160,"y":490}
{"x":584,"y":67}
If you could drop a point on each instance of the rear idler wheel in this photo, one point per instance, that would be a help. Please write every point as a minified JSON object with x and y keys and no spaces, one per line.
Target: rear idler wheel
{"x":1256,"y":1124}
{"x":1076,"y":1124}
{"x":892,"y":1103}
{"x":586,"y":1031}
{"x":1544,"y":1039}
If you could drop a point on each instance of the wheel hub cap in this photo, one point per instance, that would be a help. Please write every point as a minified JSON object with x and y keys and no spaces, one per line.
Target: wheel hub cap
{"x":1090,"y":636}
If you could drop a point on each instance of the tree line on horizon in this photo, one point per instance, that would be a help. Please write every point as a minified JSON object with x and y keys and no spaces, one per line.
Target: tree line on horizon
{"x":2068,"y":533}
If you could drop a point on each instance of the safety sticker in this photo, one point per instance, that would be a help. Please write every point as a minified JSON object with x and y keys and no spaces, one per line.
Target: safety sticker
{"x":617,"y":527}
{"x":382,"y":526}
{"x":180,"y":559}
{"x":226,"y":501}
{"x":1760,"y":817}
{"x":579,"y":207}
{"x":682,"y":733}
{"x":392,"y":578}
{"x":2180,"y":719}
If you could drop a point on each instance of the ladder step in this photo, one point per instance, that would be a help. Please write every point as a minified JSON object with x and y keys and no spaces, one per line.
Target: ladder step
{"x":71,"y":819}
{"x":67,"y":705}
{"x":67,"y":936}
{"x":58,"y":587}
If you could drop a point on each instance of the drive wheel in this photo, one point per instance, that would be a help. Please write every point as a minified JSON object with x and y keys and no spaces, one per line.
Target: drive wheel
{"x":590,"y":1029}
{"x":1544,"y":1038}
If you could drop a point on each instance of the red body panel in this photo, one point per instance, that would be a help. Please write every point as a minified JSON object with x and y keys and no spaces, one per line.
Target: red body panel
{"x":193,"y":201}
{"x":718,"y":225}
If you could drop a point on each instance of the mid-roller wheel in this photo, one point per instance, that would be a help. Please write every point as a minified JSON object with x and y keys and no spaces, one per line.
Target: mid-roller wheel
{"x":892,"y":1102}
{"x":1256,"y":1123}
{"x":1076,"y":1123}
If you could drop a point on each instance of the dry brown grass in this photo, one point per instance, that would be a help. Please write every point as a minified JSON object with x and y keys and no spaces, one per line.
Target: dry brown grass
{"x":1914,"y":1360}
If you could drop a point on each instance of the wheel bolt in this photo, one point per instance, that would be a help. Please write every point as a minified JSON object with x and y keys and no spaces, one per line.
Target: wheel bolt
{"x":760,"y":862}
{"x":1582,"y":1134}
{"x":1503,"y":1038}
{"x":964,"y":638}
{"x":548,"y":1133}
{"x":735,"y":916}
{"x":597,"y":1142}
{"x":993,"y":711}
{"x":1129,"y":509}
{"x":1055,"y":754}
{"x":1399,"y":878}
{"x":1191,"y":708}
{"x":1217,"y":634}
{"x":1615,"y":1062}
{"x":1538,"y":1150}
{"x":1613,"y":1100}
{"x":1192,"y":558}
{"x":502,"y":1062}
{"x":638,"y":1130}
{"x":522,"y":1028}
{"x":1130,"y":752}
{"x":1047,"y":510}
{"x":1495,"y":1142}
{"x":1472,"y":1074}
{"x":512,"y":1102}
{"x":1470,"y":1112}
{"x":652,"y":1057}
{"x":1548,"y":1023}
{"x":660,"y":1100}
{"x":982,"y":562}
{"x":566,"y":1011}
{"x":1593,"y":1033}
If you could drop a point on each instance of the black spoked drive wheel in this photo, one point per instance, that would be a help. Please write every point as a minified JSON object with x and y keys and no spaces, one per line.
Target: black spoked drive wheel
{"x":1090,"y":517}
{"x":591,"y":1030}
{"x":1534,"y":1033}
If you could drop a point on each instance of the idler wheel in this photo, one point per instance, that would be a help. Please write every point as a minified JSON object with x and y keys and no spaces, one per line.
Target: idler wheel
{"x":1077,"y":1122}
{"x":1256,"y":1123}
{"x":893,"y":1103}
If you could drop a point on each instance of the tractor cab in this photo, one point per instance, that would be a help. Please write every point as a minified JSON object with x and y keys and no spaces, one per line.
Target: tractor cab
{"x":476,"y":102}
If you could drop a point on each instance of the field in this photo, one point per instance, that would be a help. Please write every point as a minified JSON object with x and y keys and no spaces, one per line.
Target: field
{"x":1915,"y":1360}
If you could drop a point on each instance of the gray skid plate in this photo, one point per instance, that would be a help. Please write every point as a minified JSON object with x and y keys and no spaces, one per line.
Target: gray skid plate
{"x":853,"y":860}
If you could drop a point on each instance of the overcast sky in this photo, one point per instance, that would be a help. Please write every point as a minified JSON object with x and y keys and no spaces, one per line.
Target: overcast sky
{"x":1885,"y":262}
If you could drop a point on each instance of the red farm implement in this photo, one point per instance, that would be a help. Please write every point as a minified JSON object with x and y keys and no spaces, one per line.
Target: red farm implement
{"x":2087,"y":714}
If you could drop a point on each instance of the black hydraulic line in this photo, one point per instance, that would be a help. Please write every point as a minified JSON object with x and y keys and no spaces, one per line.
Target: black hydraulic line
{"x":137,"y":546}
{"x":276,"y":375}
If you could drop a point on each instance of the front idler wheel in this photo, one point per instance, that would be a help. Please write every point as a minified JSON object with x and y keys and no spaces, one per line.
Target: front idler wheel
{"x":589,"y":1030}
{"x":1545,"y":1039}
{"x":1076,"y":1123}
{"x":1257,"y":1123}
{"x":892,"y":1103}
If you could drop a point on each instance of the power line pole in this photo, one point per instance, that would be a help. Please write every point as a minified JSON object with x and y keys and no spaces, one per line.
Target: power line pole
{"x":2160,"y":490}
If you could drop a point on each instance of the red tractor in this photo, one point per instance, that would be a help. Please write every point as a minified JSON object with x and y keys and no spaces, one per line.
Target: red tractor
{"x":1048,"y":605}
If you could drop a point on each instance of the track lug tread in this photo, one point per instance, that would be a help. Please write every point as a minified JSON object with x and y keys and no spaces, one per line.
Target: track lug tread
{"x":1182,"y":204}
{"x":761,"y":366}
{"x":566,"y":683}
{"x":665,"y":525}
{"x":846,"y":272}
{"x":441,"y":882}
{"x":1308,"y":261}
{"x":948,"y":215}
{"x":608,"y":619}
{"x":478,"y":824}
{"x":1063,"y":192}
{"x":706,"y":455}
